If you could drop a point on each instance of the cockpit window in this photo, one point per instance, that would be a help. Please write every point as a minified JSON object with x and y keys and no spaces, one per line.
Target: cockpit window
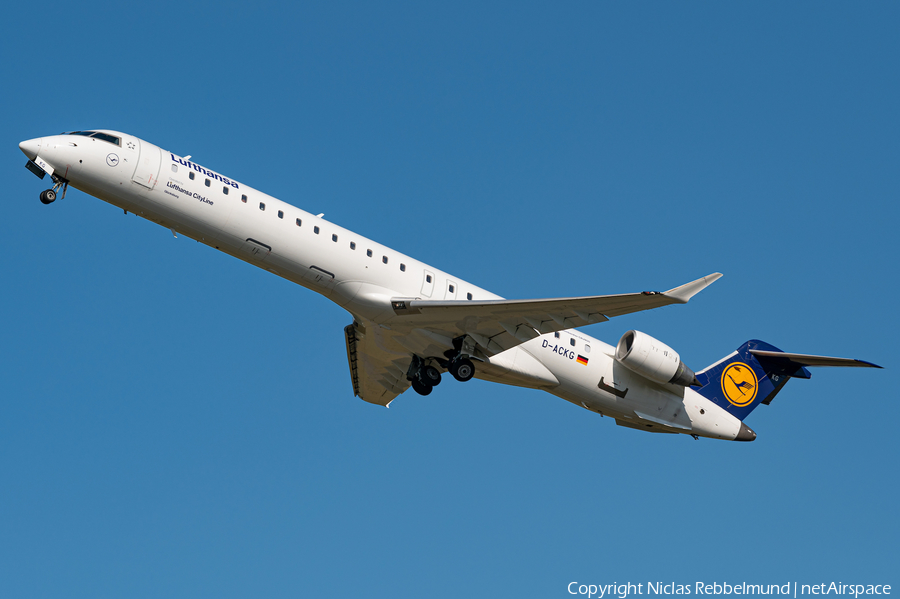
{"x":97,"y":135}
{"x":106,"y":137}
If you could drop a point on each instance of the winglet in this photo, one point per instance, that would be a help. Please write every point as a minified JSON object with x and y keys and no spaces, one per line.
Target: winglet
{"x":688,"y":290}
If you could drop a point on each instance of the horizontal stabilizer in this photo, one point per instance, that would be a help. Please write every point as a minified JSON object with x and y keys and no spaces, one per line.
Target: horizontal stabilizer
{"x":809,"y":360}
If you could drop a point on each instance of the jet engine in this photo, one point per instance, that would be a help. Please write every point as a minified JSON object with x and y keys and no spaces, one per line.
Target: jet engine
{"x":652,"y":359}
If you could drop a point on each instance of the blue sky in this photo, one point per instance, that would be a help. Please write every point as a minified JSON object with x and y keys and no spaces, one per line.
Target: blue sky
{"x":174,"y":422}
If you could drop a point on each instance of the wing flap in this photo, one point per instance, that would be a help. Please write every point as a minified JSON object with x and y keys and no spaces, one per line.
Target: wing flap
{"x":377,"y":375}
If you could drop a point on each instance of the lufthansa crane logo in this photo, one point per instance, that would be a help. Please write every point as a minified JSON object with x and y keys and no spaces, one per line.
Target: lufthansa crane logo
{"x":112,"y":160}
{"x":739,"y":384}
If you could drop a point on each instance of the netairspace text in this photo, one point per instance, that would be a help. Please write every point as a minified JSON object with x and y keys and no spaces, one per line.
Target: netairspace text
{"x":790,"y":589}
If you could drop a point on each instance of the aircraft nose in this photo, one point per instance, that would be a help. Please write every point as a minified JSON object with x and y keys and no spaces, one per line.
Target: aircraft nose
{"x":746,"y":434}
{"x":30,"y":147}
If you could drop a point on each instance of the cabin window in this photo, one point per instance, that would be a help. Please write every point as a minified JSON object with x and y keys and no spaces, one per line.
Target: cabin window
{"x":384,"y":259}
{"x":262,"y":206}
{"x":352,"y":245}
{"x":225,"y":190}
{"x":402,"y":267}
{"x":556,"y":334}
{"x":207,"y":183}
{"x":174,"y":168}
{"x":450,"y":288}
{"x":427,"y":278}
{"x":468,"y":296}
{"x":299,"y":222}
{"x":316,"y":230}
{"x":572,"y":342}
{"x":334,"y":238}
{"x":243,"y":196}
{"x":587,"y":349}
{"x":191,"y":175}
{"x":281,"y":214}
{"x":369,"y":253}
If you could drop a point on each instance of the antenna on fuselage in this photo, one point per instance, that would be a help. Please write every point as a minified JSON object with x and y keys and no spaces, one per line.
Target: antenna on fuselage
{"x":188,"y":157}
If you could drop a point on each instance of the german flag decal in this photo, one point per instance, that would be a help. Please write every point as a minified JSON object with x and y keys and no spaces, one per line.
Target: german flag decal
{"x":582,"y":360}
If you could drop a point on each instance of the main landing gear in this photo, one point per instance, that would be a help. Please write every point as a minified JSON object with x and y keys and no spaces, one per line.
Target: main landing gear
{"x":424,"y":376}
{"x":462,"y":369}
{"x":459,"y":365}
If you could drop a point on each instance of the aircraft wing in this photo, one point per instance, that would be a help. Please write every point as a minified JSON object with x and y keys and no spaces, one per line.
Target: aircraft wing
{"x":377,"y":372}
{"x":498,"y":325}
{"x":379,"y":356}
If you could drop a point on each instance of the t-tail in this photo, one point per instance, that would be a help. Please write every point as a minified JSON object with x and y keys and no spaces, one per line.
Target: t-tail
{"x":756,"y":372}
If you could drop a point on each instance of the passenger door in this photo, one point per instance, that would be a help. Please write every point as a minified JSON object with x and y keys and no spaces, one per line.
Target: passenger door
{"x":149,"y":161}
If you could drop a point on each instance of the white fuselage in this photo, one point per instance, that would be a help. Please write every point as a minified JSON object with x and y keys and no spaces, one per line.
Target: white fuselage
{"x":359,"y":274}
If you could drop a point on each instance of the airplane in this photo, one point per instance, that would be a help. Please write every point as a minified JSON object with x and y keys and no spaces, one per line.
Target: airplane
{"x":413,"y":322}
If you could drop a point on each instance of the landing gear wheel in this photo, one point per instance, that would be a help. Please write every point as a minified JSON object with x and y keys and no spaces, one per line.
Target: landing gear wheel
{"x":431,"y":376}
{"x":420,"y":388}
{"x":48,"y":196}
{"x":462,"y":370}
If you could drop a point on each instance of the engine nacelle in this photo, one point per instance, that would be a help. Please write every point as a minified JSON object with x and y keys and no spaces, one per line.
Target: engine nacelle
{"x":652,"y":359}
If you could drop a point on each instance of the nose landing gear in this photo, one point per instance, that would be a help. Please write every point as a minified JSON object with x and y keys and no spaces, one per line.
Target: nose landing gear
{"x":40,"y":168}
{"x":48,"y":196}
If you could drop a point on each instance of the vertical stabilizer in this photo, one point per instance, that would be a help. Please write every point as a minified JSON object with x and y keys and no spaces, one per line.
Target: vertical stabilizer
{"x":741,"y":381}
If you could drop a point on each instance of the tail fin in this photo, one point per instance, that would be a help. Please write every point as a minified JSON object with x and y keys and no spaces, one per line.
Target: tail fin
{"x":756,"y":372}
{"x":739,"y":382}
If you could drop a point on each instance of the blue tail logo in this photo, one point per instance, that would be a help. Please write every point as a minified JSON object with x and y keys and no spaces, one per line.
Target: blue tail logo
{"x":739,"y":384}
